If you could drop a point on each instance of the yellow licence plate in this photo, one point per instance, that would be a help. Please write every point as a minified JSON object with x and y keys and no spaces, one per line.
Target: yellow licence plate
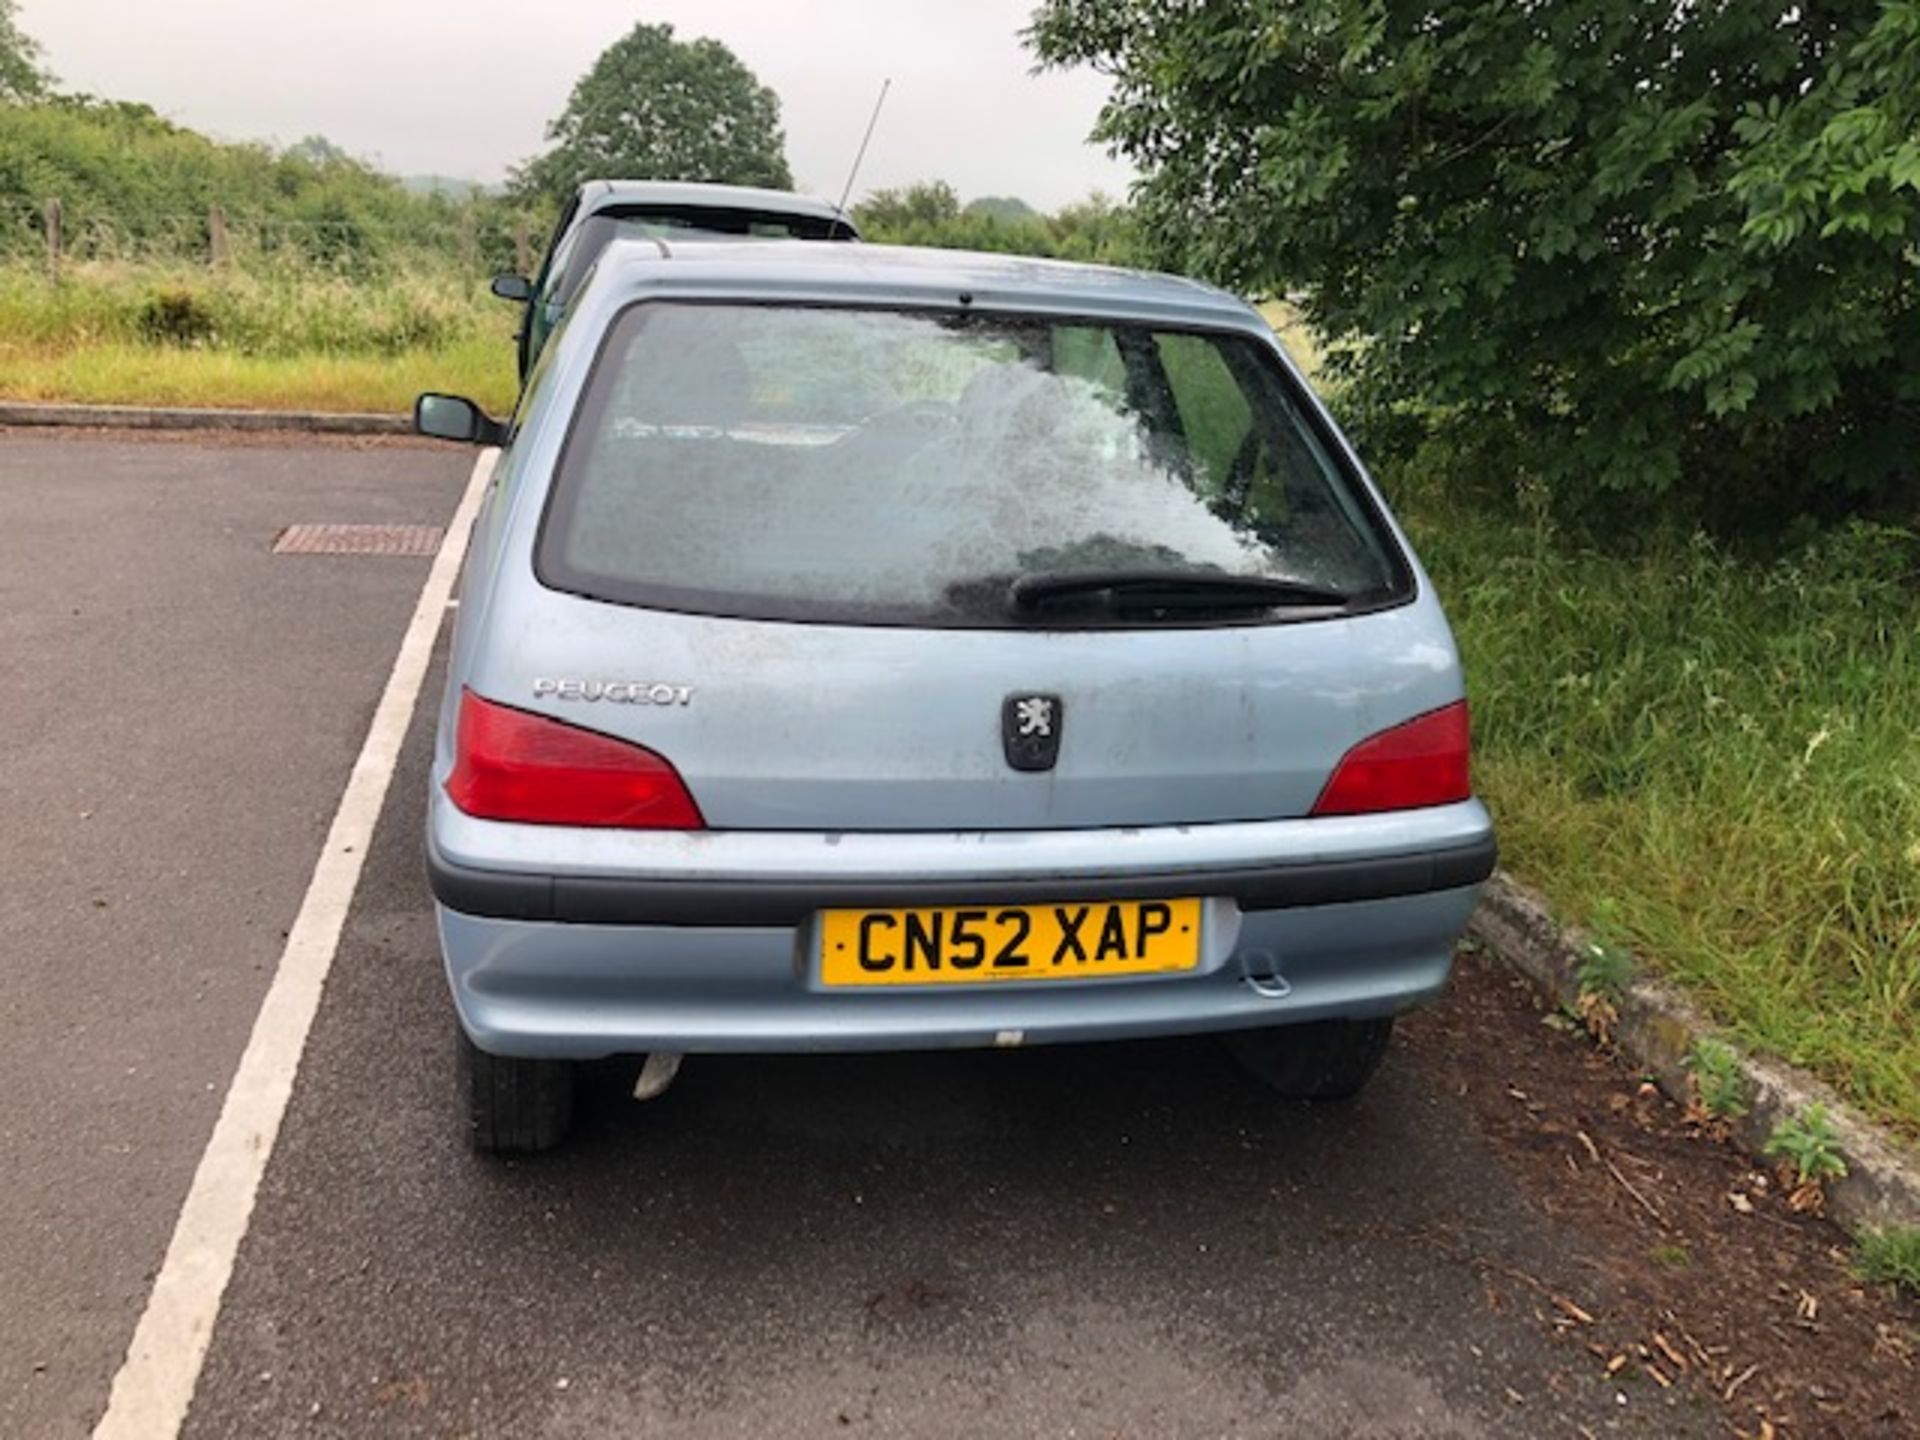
{"x":1078,"y":940}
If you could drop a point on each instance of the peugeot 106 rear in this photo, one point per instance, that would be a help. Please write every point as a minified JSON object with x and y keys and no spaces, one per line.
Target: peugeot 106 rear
{"x":867,"y":648}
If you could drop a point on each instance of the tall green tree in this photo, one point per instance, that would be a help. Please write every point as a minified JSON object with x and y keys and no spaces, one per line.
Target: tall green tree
{"x":21,"y":75}
{"x":656,"y":108}
{"x":1610,"y":249}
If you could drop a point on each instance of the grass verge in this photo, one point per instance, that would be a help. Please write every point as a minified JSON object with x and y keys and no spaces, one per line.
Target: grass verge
{"x":109,"y":334}
{"x":1889,"y":1257}
{"x":126,"y":374}
{"x":1714,"y":761}
{"x":1295,"y":335}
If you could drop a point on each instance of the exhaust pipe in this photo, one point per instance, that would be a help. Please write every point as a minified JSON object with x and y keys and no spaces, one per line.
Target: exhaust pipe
{"x":657,"y":1074}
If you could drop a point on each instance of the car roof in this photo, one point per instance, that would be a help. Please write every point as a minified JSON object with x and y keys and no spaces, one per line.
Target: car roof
{"x":882,"y":274}
{"x":598,"y":195}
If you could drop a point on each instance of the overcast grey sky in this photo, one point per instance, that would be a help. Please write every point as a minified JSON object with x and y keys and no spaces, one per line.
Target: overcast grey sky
{"x":465,"y":87}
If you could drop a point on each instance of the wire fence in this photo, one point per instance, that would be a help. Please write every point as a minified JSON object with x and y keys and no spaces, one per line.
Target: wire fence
{"x":49,"y":234}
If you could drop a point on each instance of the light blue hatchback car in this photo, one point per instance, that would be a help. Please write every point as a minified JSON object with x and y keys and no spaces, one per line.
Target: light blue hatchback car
{"x":870,"y":648}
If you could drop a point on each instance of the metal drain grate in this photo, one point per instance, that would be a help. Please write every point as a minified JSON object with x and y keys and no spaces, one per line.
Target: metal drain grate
{"x":402,"y":540}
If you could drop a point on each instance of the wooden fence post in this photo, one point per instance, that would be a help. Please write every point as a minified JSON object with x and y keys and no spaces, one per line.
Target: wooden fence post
{"x":217,"y":237}
{"x":53,"y":240}
{"x":522,"y":247}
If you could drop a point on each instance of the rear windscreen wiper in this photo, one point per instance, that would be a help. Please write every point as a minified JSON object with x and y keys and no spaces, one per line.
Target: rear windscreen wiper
{"x":1171,"y":590}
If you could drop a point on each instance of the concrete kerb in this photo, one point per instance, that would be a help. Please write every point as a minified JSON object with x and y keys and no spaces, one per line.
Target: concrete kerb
{"x":149,"y":417}
{"x":1656,"y":1032}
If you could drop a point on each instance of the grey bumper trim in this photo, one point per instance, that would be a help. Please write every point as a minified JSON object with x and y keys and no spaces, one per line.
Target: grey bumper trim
{"x":760,"y":904}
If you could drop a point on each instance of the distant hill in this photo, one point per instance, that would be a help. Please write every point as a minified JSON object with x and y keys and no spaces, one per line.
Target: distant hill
{"x":452,"y":186}
{"x":1002,"y":207}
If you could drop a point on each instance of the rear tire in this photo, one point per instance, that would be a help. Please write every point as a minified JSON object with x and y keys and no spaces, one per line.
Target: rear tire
{"x":514,"y":1106}
{"x":1322,"y":1060}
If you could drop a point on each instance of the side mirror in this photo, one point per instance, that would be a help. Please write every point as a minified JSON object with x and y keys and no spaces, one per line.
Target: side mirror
{"x":451,"y":417}
{"x":513,"y":287}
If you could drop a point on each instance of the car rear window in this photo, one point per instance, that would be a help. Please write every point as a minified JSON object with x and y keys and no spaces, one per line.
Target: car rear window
{"x":694,"y":222}
{"x":573,"y":259}
{"x":904,"y":467}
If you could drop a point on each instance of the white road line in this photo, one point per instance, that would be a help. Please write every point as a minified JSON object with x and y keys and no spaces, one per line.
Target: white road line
{"x":156,"y":1380}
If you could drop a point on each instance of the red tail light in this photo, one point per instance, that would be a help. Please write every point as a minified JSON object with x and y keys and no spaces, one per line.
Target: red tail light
{"x":512,"y":765}
{"x":1423,"y":762}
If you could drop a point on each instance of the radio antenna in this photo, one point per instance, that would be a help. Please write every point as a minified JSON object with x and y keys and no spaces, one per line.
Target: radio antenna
{"x":872,"y":120}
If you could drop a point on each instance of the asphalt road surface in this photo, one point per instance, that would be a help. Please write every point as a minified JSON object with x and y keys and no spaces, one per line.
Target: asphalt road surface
{"x":1113,"y":1241}
{"x":180,"y":709}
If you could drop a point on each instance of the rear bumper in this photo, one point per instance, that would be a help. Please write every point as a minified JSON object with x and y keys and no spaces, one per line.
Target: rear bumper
{"x":538,"y":988}
{"x":710,"y":943}
{"x":701,"y":901}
